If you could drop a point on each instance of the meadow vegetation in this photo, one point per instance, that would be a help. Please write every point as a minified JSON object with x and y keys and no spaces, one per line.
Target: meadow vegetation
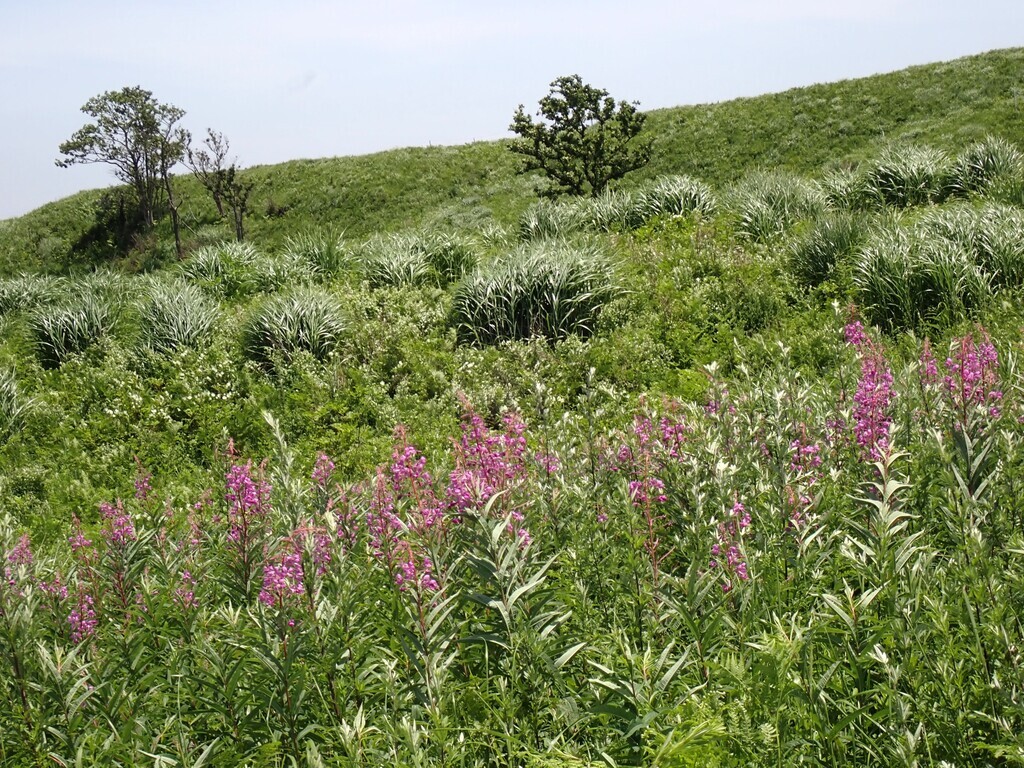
{"x":720,"y":467}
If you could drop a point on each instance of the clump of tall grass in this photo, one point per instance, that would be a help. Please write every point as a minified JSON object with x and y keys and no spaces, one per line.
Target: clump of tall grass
{"x":176,"y":315}
{"x":550,"y":290}
{"x":71,"y":326}
{"x":551,"y":219}
{"x":906,"y":175}
{"x":27,"y":292}
{"x":831,"y":241}
{"x":669,"y":196}
{"x":227,"y":269}
{"x":235,"y":270}
{"x":302,"y":320}
{"x":992,"y":234}
{"x":843,"y":188}
{"x":13,"y":406}
{"x":983,"y":163}
{"x":430,"y":258}
{"x":914,"y":279}
{"x":325,"y":253}
{"x":767,"y":204}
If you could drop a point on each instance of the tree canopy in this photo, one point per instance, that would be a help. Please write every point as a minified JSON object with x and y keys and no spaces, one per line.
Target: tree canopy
{"x":136,"y":135}
{"x":584,"y":139}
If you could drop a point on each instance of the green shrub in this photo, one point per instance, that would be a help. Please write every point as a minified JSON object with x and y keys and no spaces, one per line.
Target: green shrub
{"x":175,"y":315}
{"x":992,"y":234}
{"x":417,"y":259}
{"x":982,"y":164}
{"x":550,"y":290}
{"x":606,"y":212}
{"x":27,"y":292}
{"x":767,"y":204}
{"x":670,"y":196}
{"x":324,"y":253}
{"x":918,"y":280}
{"x":302,"y":320}
{"x":906,"y":175}
{"x":71,"y":327}
{"x":814,"y":258}
{"x":236,"y":270}
{"x":226,"y":269}
{"x":843,"y":188}
{"x":552,"y":219}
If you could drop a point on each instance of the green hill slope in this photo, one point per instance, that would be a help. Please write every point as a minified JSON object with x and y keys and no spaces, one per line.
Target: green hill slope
{"x":805,"y":129}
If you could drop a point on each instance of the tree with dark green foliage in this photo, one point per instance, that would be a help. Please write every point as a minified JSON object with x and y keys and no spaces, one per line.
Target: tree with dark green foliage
{"x":140,"y":138}
{"x":583,"y":140}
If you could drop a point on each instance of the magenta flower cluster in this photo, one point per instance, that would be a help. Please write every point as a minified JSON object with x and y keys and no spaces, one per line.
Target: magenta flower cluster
{"x":119,"y":529}
{"x":972,"y":376}
{"x":728,"y":556}
{"x":248,"y":499}
{"x":283,"y":583}
{"x":82,"y":618}
{"x":872,"y":400}
{"x":404,"y":487}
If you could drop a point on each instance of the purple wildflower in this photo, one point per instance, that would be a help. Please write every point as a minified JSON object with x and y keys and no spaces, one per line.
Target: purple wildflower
{"x":82,"y":618}
{"x":22,"y":552}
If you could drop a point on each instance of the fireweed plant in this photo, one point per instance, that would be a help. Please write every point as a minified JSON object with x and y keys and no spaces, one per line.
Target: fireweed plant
{"x":785,"y":573}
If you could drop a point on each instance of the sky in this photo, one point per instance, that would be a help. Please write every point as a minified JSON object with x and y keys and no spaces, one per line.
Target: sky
{"x":289,"y":79}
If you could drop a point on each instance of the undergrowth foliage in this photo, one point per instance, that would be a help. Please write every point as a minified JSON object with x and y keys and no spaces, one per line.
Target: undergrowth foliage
{"x":786,"y":574}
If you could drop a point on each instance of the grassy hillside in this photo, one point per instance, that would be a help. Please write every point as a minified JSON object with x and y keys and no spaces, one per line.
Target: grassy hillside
{"x":723,"y":468}
{"x":945,"y":105}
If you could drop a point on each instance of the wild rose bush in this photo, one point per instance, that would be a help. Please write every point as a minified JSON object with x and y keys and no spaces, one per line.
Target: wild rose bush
{"x":826,"y":573}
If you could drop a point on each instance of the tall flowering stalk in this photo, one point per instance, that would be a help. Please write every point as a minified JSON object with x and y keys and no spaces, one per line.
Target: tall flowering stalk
{"x":489,"y":464}
{"x":405,"y":515}
{"x":247,"y":495}
{"x":644,"y":456}
{"x":15,"y":615}
{"x":873,"y":398}
{"x":728,"y":557}
{"x":118,"y":534}
{"x":803,"y":474}
{"x":971,"y":383}
{"x":84,"y":597}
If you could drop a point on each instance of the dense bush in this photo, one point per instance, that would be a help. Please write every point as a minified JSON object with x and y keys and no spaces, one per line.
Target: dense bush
{"x":669,"y":196}
{"x":550,"y":290}
{"x":766,"y":205}
{"x":984,"y":163}
{"x":913,"y":279}
{"x":176,"y":314}
{"x":324,"y":253}
{"x":817,"y":255}
{"x":238,"y":270}
{"x":13,"y":405}
{"x":429,"y":258}
{"x":27,"y":292}
{"x":71,"y":326}
{"x":301,"y":320}
{"x":906,"y":175}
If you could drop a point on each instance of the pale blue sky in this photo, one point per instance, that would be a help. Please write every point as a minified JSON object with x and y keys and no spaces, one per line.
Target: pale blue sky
{"x":288,"y":79}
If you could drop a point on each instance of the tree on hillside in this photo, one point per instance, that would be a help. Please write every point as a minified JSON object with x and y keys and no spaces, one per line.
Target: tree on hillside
{"x":208,"y":165}
{"x":222,"y":182}
{"x":236,"y":194}
{"x":140,"y":138}
{"x":584,"y":138}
